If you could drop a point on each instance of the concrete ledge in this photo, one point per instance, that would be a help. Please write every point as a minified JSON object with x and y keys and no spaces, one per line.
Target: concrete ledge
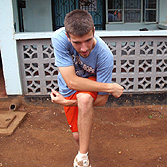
{"x":162,"y":26}
{"x":129,"y":100}
{"x":101,"y":33}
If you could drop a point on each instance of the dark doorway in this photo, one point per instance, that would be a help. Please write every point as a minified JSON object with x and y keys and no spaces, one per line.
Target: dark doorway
{"x":95,"y":7}
{"x":2,"y":82}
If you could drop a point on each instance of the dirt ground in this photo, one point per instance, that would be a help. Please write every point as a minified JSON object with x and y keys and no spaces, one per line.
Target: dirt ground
{"x":121,"y":137}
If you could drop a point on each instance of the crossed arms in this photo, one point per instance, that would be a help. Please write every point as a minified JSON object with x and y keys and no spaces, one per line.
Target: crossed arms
{"x":83,"y":84}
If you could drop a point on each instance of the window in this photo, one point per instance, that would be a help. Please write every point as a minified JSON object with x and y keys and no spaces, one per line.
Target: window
{"x":132,"y":11}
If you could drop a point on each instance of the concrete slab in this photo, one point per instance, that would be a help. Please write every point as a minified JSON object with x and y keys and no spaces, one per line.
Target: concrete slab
{"x":6,"y":119}
{"x":9,"y":121}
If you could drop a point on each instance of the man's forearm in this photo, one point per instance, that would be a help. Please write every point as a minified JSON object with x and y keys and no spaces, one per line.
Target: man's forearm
{"x":83,"y":84}
{"x":57,"y":98}
{"x":100,"y":101}
{"x":69,"y":103}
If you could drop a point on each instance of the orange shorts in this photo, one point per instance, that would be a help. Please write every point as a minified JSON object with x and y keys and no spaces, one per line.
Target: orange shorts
{"x":71,"y":112}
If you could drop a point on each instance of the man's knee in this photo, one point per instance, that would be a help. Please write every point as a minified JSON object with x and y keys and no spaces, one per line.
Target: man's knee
{"x":85,"y":99}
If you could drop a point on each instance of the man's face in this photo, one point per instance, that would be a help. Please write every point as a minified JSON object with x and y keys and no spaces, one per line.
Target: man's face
{"x":83,"y":44}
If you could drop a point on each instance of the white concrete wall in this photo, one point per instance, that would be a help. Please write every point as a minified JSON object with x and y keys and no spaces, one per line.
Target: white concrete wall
{"x":8,"y":49}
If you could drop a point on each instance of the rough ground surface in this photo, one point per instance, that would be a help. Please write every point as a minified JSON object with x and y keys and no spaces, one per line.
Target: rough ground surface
{"x":121,"y":137}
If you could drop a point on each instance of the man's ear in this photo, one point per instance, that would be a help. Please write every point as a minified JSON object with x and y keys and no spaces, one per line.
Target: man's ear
{"x":68,"y":37}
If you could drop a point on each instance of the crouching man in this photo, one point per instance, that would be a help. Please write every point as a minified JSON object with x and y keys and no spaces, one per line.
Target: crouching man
{"x":85,"y":66}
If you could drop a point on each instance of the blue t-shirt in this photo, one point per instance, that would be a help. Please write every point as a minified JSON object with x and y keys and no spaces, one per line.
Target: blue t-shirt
{"x":99,"y":63}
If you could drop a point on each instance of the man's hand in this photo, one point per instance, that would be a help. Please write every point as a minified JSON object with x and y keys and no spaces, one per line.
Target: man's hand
{"x":118,"y":90}
{"x":57,"y":98}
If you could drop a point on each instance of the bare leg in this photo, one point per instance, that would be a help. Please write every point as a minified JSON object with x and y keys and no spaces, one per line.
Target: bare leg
{"x":85,"y":119}
{"x":76,"y":139}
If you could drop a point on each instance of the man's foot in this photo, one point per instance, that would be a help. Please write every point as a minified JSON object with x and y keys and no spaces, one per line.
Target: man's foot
{"x":83,"y":163}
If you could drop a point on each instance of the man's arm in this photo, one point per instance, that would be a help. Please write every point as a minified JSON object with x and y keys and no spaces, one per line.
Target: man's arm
{"x":59,"y":99}
{"x":83,"y":84}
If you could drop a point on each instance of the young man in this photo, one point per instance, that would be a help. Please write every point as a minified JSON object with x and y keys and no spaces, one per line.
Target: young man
{"x":85,"y":66}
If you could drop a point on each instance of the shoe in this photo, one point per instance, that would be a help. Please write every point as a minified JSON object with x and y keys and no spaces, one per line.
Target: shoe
{"x":83,"y":163}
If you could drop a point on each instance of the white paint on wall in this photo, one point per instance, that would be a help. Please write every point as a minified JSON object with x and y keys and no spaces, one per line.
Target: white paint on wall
{"x":8,"y":49}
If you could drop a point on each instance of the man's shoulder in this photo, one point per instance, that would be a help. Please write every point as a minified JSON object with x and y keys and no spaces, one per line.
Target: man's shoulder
{"x":59,"y":33}
{"x":102,"y":46}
